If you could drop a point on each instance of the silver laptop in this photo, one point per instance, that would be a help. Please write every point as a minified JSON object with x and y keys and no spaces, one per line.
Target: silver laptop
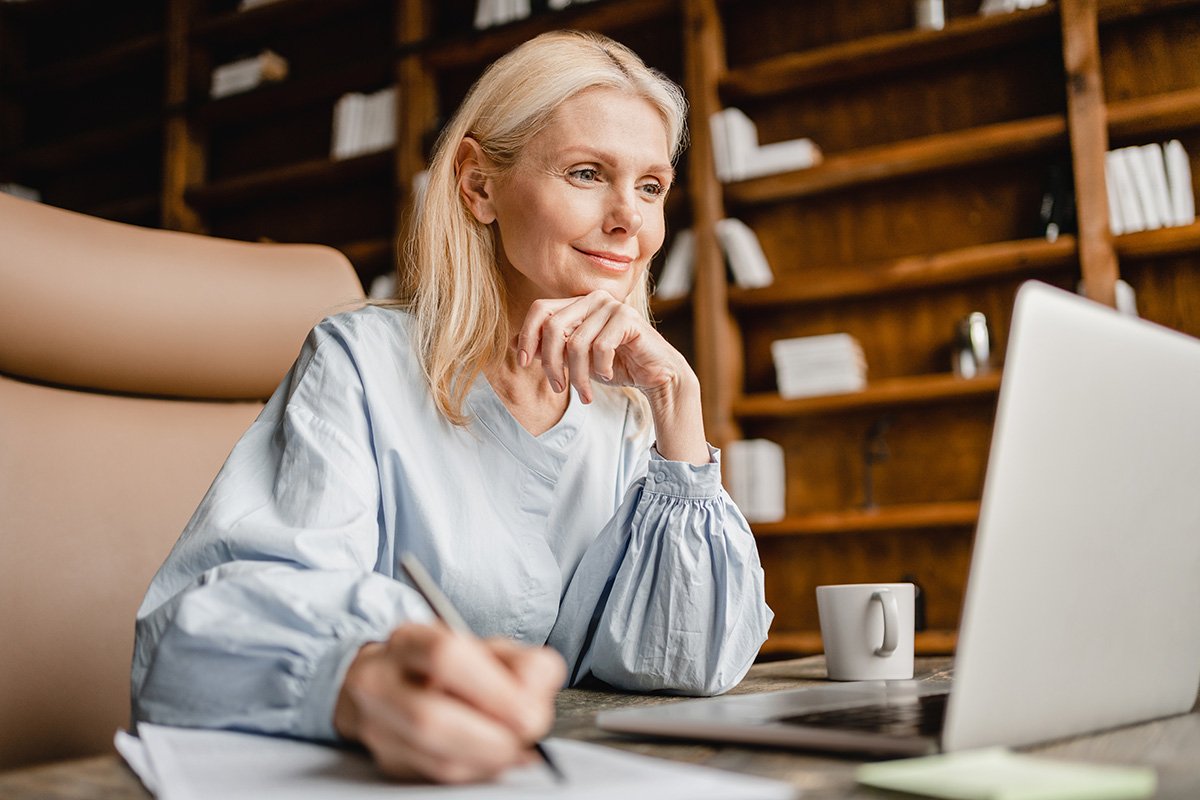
{"x":1082,"y":608}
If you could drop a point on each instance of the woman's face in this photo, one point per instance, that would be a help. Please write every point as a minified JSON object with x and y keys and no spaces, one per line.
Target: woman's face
{"x":582,"y":207}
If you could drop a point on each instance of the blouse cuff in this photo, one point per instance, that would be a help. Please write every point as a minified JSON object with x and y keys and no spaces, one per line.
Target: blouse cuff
{"x":316,"y":709}
{"x":681,"y":479}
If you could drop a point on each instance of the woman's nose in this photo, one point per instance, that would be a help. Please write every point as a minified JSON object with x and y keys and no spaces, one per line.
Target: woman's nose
{"x":623,"y":214}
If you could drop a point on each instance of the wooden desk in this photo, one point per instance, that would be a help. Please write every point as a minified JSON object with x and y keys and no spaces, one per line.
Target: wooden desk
{"x":1172,"y":746}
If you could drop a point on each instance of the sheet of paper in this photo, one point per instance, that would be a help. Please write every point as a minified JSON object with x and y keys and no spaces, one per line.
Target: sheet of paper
{"x":190,"y":764}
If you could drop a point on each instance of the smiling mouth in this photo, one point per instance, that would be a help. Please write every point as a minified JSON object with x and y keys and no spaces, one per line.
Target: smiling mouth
{"x":613,"y":262}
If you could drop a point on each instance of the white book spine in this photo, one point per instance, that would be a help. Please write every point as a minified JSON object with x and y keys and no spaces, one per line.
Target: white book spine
{"x":1156,"y":169}
{"x":676,"y":278}
{"x":1179,"y":181}
{"x":720,"y":146}
{"x":337,"y":142}
{"x":485,"y":14}
{"x":1116,"y":222}
{"x":745,"y":254}
{"x":1131,"y":211}
{"x":742,"y":138}
{"x":1144,"y":190}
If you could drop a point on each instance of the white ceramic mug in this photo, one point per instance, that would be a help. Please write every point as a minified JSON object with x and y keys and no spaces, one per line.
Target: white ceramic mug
{"x":867,"y":629}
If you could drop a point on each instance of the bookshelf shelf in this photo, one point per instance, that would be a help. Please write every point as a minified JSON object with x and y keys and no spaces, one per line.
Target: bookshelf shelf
{"x":1000,"y":141}
{"x":1162,"y":243}
{"x":884,"y":52}
{"x":884,"y":518}
{"x":272,"y":98}
{"x":476,"y":47}
{"x":1153,"y":115}
{"x":949,"y":268}
{"x":92,"y":67}
{"x":239,"y":27}
{"x":310,"y":174}
{"x":667,"y":308}
{"x":926,"y":643}
{"x":83,"y":146}
{"x":885,"y":393}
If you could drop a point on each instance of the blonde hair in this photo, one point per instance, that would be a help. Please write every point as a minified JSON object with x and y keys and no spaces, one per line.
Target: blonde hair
{"x":449,"y":279}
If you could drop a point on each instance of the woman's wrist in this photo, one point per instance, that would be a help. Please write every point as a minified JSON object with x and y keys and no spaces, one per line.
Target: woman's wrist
{"x":679,"y":419}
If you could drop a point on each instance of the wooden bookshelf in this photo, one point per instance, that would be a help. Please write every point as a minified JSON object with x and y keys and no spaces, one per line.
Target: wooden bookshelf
{"x":907,"y":159}
{"x":860,"y":58}
{"x":910,"y":273}
{"x":884,"y":393}
{"x":913,"y":516}
{"x":294,"y":177}
{"x":804,"y":643}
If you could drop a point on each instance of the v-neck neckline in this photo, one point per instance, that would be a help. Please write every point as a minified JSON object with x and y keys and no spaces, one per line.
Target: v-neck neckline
{"x":544,"y":453}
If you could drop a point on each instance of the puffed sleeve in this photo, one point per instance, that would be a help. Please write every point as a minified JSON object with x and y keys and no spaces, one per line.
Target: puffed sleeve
{"x":669,"y":597}
{"x":269,"y":593}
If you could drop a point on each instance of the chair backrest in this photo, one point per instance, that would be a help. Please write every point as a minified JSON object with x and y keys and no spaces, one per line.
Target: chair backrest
{"x":131,"y":360}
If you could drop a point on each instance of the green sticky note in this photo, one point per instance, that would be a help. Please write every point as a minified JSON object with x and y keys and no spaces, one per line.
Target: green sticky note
{"x":997,"y":773}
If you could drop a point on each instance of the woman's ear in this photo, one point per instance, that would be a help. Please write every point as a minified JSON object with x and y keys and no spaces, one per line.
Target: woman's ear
{"x":474,"y":185}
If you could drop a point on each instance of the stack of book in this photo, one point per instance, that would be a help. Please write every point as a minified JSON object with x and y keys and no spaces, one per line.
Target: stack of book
{"x":756,"y":478}
{"x":742,"y":251}
{"x":1149,"y":187}
{"x":1006,"y":6}
{"x":818,"y":365}
{"x":499,"y":12}
{"x":248,"y":73}
{"x":363,"y":123}
{"x":738,"y":155}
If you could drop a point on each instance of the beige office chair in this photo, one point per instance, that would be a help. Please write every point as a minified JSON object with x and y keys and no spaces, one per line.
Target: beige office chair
{"x":131,"y":360}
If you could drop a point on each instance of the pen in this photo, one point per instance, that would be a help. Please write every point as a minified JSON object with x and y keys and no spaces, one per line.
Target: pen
{"x":444,"y":610}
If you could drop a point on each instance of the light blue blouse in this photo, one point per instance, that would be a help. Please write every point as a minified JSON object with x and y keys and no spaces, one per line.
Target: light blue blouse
{"x":639,"y":570}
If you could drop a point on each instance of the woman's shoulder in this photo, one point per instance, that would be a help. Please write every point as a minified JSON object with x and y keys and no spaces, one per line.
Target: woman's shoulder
{"x":365,"y":329}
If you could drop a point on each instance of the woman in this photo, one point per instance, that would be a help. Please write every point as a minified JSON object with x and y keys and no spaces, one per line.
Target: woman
{"x":497,"y":423}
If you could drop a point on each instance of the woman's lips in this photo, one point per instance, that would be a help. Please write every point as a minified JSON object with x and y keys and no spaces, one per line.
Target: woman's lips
{"x":614,"y":262}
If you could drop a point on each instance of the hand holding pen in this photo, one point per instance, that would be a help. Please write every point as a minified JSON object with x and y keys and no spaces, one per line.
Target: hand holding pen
{"x":433,"y":704}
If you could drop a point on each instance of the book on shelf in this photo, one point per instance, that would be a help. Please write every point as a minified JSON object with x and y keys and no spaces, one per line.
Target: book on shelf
{"x":363,"y":123}
{"x":23,"y":192}
{"x":489,"y":13}
{"x":1129,"y":217}
{"x":1149,"y":187}
{"x":989,"y":7}
{"x":1179,"y":183}
{"x":246,"y":5}
{"x":737,"y":155}
{"x":675,"y":280}
{"x":744,"y":253}
{"x":808,"y":366}
{"x":740,"y":247}
{"x":247,"y":73}
{"x":757,"y":478}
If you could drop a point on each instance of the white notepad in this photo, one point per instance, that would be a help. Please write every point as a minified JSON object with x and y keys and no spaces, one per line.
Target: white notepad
{"x":190,"y":764}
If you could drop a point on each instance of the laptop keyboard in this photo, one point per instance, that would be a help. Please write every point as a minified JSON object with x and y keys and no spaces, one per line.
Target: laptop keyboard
{"x":922,"y":716}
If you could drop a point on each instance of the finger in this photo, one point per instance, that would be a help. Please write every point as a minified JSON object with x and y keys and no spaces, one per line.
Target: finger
{"x":464,"y":667}
{"x":622,"y":327}
{"x":555,"y":335}
{"x":422,"y":730}
{"x":529,"y":337}
{"x":541,"y":670}
{"x":579,"y":345}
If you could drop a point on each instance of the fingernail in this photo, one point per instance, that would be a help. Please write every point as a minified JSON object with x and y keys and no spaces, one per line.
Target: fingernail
{"x":557,"y":386}
{"x":523,"y":358}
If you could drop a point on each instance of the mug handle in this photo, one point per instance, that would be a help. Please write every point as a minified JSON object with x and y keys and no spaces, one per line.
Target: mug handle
{"x":891,"y":621}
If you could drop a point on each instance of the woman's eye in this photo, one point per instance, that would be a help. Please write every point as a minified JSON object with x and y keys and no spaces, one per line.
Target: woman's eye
{"x":587,"y":174}
{"x":654,"y":189}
